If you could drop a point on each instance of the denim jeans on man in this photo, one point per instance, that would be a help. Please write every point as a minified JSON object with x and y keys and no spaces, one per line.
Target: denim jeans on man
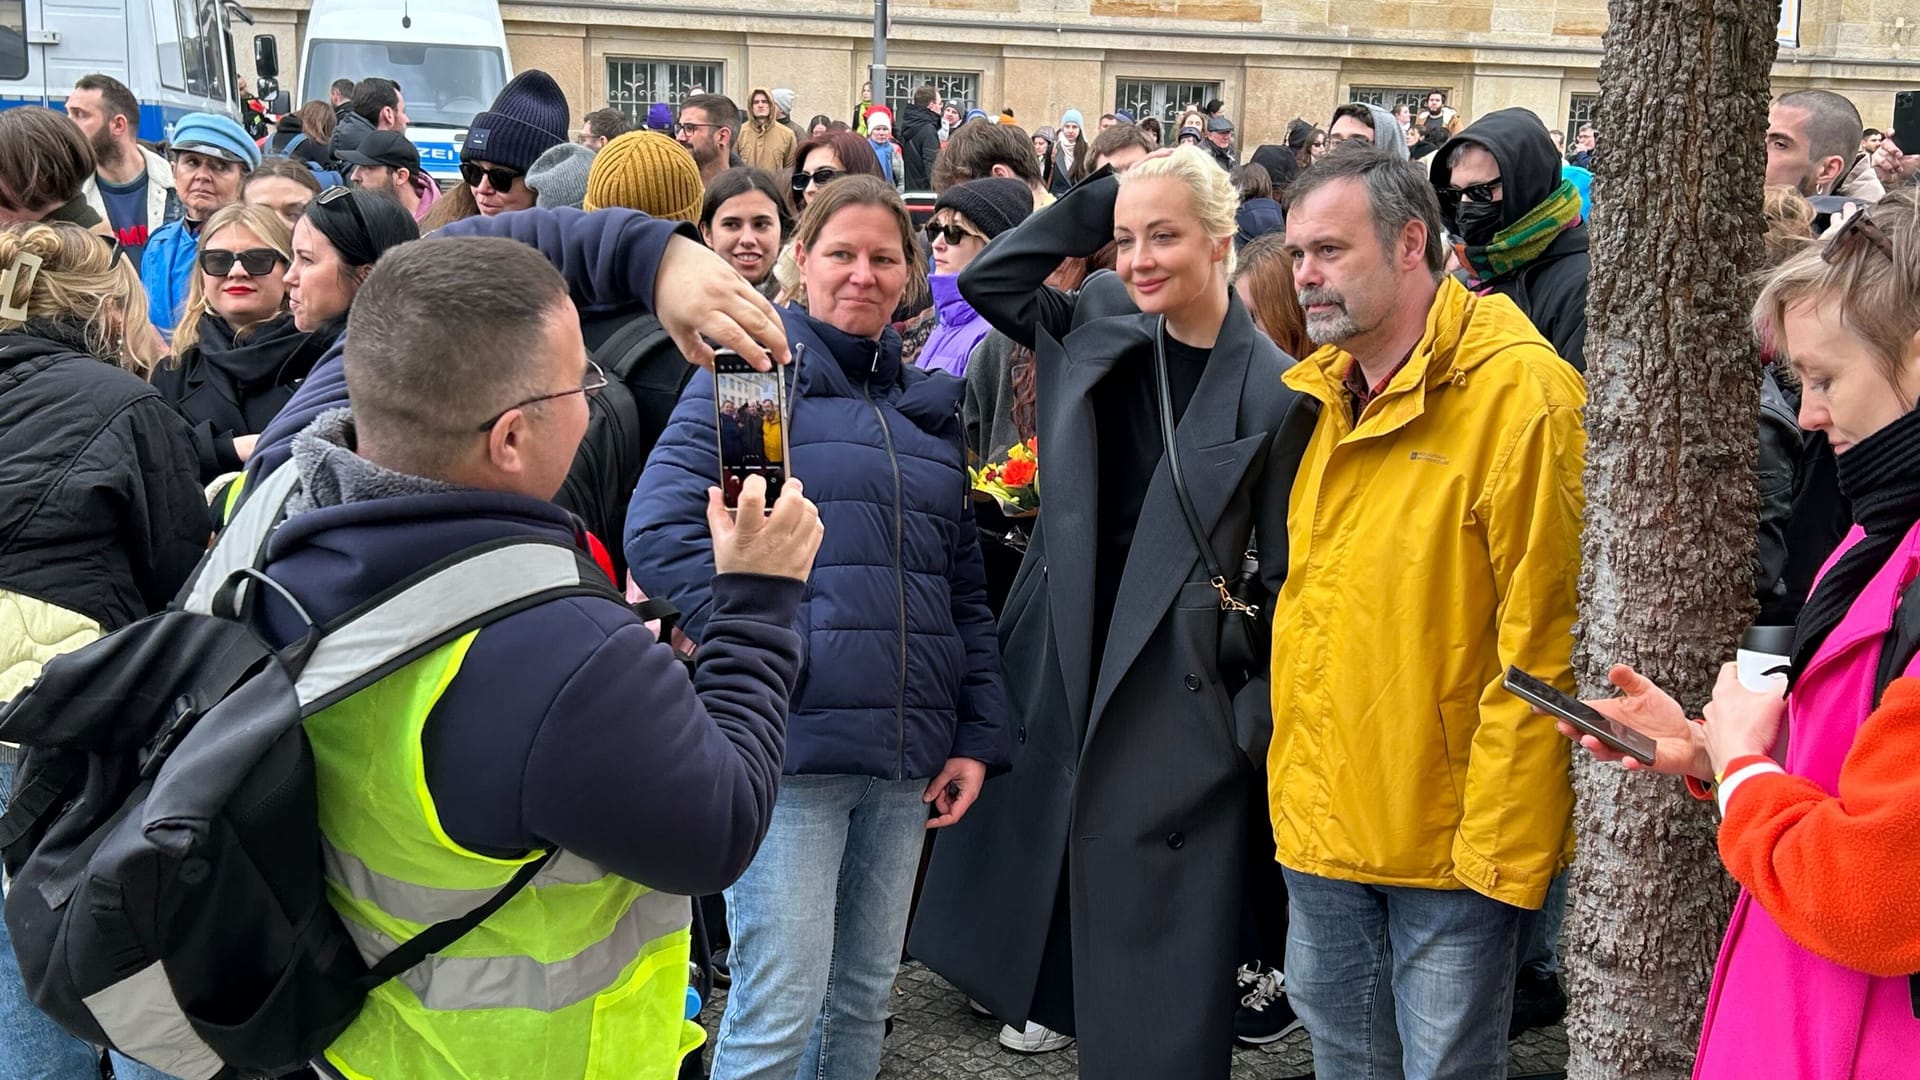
{"x":1401,"y":983}
{"x":1540,"y":931}
{"x":817,"y":923}
{"x":32,"y":1046}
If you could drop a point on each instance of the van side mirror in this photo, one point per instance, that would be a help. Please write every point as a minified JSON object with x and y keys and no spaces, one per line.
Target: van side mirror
{"x":266,"y":56}
{"x":281,"y":105}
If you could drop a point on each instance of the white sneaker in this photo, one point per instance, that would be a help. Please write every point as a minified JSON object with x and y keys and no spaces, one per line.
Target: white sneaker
{"x":1034,"y":1039}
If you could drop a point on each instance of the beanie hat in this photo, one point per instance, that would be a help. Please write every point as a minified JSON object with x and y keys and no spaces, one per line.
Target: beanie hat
{"x":993,"y":205}
{"x":1123,"y":116}
{"x":783,"y":100}
{"x":559,"y":176}
{"x":879,"y":112}
{"x":529,"y":116}
{"x":649,"y":172}
{"x":1072,"y":116}
{"x":1006,"y":116}
{"x":660,"y":117}
{"x":215,"y":136}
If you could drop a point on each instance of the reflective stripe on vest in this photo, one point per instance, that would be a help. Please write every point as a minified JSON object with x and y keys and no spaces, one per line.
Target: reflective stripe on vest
{"x":581,"y":974}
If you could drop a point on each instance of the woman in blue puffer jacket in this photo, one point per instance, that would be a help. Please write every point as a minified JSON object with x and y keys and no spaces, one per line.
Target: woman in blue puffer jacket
{"x":900,"y":712}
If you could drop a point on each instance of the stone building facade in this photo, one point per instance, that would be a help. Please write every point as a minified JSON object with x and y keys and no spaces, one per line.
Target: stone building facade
{"x":1268,"y":60}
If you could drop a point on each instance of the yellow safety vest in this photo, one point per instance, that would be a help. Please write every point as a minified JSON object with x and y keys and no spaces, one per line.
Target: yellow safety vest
{"x":582,"y":974}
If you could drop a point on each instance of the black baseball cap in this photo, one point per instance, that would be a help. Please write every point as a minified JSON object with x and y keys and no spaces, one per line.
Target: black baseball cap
{"x":388,"y":148}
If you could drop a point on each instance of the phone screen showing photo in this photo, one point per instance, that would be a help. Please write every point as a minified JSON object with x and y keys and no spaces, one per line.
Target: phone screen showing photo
{"x":752,"y":422}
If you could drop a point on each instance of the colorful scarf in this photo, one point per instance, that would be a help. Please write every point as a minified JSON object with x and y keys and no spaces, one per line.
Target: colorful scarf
{"x":1523,"y":241}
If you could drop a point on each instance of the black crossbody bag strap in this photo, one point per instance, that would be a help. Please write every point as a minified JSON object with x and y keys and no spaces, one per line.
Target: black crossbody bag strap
{"x":442,"y":934}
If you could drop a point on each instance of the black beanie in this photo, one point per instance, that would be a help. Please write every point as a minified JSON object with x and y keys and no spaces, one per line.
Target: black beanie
{"x":993,"y":205}
{"x":526,"y":120}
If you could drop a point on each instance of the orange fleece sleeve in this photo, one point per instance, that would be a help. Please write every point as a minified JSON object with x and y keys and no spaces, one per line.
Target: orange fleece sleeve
{"x":1837,"y":873}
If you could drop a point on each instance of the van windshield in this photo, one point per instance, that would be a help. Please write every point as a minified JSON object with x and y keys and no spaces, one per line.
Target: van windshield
{"x":443,"y":85}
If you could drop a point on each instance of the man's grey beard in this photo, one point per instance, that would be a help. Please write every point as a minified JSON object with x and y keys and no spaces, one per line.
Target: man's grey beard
{"x":1328,"y":329}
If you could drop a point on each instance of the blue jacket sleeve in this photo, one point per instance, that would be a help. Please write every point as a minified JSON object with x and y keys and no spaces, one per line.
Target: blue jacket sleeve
{"x":985,"y":732}
{"x":324,"y":388}
{"x":610,"y":258}
{"x":669,"y":551}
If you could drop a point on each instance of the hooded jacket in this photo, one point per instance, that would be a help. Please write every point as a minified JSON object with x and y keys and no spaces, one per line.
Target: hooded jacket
{"x":166,"y":270}
{"x":226,"y":387}
{"x":766,"y":144}
{"x":1387,"y":133}
{"x":901,"y":668}
{"x":103,"y":510}
{"x":1432,"y":543}
{"x":1257,"y":218}
{"x":958,"y":329}
{"x":1552,"y":289}
{"x":917,"y":130}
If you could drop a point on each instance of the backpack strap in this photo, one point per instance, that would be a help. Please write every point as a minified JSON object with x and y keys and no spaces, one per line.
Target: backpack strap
{"x":243,"y":543}
{"x":459,"y":594}
{"x":442,"y":934}
{"x":1901,"y":644}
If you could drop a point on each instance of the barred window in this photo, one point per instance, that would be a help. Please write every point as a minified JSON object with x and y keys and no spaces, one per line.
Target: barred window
{"x":1161,"y":99}
{"x":1582,"y":109}
{"x":1414,"y":98}
{"x":634,"y":85}
{"x":957,"y":88}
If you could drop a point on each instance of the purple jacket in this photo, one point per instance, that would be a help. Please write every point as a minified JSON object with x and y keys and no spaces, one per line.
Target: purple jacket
{"x":958,"y":328}
{"x":1777,"y":1010}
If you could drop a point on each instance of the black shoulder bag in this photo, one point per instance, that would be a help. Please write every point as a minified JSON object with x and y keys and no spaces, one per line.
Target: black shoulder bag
{"x":1245,"y":641}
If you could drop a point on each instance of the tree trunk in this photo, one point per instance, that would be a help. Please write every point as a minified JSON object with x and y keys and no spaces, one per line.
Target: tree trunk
{"x":1668,"y":556}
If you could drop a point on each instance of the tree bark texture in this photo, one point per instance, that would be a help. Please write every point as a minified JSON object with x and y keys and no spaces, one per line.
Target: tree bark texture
{"x":1666,"y":584}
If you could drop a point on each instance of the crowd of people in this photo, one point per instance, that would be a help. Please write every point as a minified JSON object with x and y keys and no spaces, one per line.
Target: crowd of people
{"x":1192,"y":780}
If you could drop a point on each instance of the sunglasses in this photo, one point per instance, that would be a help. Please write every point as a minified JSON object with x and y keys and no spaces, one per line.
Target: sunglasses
{"x":804,"y":180}
{"x":594,"y":381}
{"x":1480,"y":193}
{"x":501,"y":179}
{"x":336,"y":194}
{"x":257,"y":262}
{"x":953,"y":233}
{"x":1847,"y":240}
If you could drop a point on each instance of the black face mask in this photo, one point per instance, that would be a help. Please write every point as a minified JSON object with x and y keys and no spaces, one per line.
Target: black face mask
{"x":1477,"y":222}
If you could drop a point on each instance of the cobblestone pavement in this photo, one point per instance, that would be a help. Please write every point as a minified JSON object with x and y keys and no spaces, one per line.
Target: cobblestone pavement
{"x":935,"y":1037}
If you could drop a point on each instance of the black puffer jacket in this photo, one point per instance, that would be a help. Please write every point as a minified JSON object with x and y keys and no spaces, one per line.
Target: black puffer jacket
{"x":226,"y":388}
{"x":101,"y":513}
{"x":1552,"y":289}
{"x":919,"y":132}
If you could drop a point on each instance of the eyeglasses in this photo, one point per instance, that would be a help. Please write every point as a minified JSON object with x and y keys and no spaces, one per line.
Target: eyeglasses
{"x":594,"y":381}
{"x":953,"y":233}
{"x":683,"y":126}
{"x":1847,"y":240}
{"x":804,"y":180}
{"x":502,"y":179}
{"x":257,"y":262}
{"x":1480,"y":193}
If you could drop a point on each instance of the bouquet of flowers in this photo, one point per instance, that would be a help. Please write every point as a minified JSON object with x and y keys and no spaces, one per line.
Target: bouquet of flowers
{"x":1013,"y":483}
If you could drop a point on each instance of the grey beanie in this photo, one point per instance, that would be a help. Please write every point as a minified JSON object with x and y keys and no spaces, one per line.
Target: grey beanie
{"x":783,"y":100}
{"x":559,"y":176}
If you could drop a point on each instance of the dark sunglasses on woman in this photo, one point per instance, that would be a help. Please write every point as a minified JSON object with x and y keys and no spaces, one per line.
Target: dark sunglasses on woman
{"x":257,"y":262}
{"x":952,"y":232}
{"x":817,"y":176}
{"x":502,"y":179}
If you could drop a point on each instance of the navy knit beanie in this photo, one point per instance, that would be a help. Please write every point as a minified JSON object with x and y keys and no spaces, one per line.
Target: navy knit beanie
{"x":528,"y":117}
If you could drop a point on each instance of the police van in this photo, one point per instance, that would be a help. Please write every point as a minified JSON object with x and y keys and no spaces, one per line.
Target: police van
{"x":175,"y":55}
{"x":449,"y":57}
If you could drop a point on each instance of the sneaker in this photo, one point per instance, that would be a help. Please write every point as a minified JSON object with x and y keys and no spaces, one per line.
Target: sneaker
{"x":1538,"y":1001}
{"x":1034,"y":1039}
{"x":722,"y":975}
{"x":1264,"y":1016}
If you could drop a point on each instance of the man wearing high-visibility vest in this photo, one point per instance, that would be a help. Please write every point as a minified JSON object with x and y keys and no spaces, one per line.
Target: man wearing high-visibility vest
{"x":563,"y":727}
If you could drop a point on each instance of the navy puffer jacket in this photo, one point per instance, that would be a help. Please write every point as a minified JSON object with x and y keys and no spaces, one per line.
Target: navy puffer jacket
{"x":901,"y":669}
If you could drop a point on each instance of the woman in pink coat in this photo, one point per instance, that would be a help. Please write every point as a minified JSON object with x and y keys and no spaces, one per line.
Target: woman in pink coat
{"x":1812,"y":979}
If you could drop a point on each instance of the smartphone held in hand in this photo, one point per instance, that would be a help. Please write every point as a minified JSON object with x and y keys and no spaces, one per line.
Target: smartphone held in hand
{"x":1543,"y":696}
{"x":751,"y":415}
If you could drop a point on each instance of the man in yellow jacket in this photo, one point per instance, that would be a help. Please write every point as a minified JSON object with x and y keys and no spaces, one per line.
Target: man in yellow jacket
{"x":1419,"y":810}
{"x":765,"y":143}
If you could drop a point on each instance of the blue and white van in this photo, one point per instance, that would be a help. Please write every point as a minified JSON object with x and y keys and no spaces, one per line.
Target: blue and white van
{"x":449,"y":57}
{"x":175,"y":55}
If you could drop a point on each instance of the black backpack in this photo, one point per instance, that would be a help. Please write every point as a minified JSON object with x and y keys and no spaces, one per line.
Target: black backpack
{"x":645,"y":375}
{"x":168,"y":894}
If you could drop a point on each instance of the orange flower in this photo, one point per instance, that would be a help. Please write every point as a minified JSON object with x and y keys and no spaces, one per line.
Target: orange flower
{"x":1018,"y":474}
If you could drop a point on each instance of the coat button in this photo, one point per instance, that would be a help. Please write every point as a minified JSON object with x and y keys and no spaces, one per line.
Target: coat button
{"x":1023,"y":733}
{"x":1193,"y":681}
{"x":1176,"y":841}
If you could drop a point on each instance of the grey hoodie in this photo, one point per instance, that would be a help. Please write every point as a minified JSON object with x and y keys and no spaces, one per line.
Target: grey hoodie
{"x":1383,"y":121}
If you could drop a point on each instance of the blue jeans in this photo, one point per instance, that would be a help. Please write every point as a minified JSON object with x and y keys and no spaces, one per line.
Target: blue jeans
{"x":1401,"y":984}
{"x":32,"y":1046}
{"x":817,"y":922}
{"x":1540,"y":931}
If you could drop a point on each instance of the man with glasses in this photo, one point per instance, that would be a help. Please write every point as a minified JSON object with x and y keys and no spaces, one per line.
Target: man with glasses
{"x":707,"y":127}
{"x":211,"y":158}
{"x":529,"y":117}
{"x":1359,"y":124}
{"x":562,"y":727}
